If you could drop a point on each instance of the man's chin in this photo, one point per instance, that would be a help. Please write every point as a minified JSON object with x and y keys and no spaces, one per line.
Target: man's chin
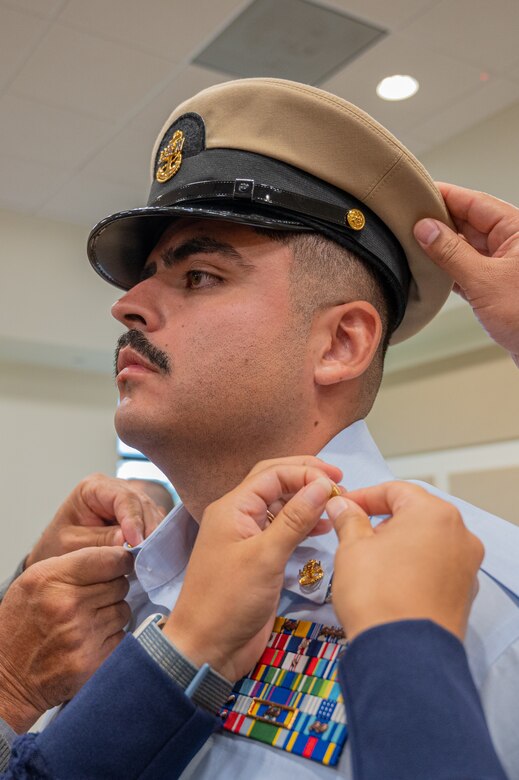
{"x":129,"y":426}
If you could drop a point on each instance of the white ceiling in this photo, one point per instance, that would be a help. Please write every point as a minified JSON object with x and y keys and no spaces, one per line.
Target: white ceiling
{"x":86,"y":84}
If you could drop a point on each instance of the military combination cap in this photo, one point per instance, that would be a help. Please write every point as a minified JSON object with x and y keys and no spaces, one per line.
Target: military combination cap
{"x":287,"y":156}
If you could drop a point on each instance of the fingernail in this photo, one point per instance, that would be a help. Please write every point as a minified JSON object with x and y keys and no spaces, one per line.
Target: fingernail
{"x":426,"y":231}
{"x":317,"y":492}
{"x":336,"y":506}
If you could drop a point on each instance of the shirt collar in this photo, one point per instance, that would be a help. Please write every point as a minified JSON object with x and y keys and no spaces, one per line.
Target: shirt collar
{"x":163,"y":556}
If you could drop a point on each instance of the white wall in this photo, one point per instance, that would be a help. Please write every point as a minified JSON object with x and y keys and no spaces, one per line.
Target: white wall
{"x":55,"y":420}
{"x":53,"y":307}
{"x":56,"y":428}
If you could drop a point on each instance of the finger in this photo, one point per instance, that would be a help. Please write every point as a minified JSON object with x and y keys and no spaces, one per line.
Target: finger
{"x":389,"y":497}
{"x":334,"y":472}
{"x":103,"y":594}
{"x":297,"y":518}
{"x":113,"y":500}
{"x":350,"y":521}
{"x":274,"y":486}
{"x":323,"y":526}
{"x":135,"y":528}
{"x":76,"y":537}
{"x":112,"y":619}
{"x":478,"y":550}
{"x":92,"y":564}
{"x":483,"y":211}
{"x":450,"y":251}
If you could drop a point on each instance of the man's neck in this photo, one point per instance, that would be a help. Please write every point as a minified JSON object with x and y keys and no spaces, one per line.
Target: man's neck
{"x":201,"y":477}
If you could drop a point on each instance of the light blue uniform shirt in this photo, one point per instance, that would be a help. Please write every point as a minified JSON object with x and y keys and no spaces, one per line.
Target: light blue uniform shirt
{"x":492,"y":641}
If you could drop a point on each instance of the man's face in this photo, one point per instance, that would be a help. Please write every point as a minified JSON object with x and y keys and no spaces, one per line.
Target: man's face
{"x":228,"y":365}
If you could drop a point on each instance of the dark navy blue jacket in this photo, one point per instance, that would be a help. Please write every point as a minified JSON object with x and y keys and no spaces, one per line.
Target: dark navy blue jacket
{"x":413,"y":714}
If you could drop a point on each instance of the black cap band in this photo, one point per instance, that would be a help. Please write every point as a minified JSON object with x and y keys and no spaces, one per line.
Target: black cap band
{"x":244,"y":187}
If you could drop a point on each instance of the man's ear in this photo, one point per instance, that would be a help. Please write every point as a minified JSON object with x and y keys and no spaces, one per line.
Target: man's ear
{"x":347,"y":339}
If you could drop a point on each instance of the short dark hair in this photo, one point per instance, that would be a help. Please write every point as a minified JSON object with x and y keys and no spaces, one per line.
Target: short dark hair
{"x":324,"y":274}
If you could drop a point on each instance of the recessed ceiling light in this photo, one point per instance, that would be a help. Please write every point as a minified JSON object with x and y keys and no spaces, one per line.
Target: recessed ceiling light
{"x":397,"y":87}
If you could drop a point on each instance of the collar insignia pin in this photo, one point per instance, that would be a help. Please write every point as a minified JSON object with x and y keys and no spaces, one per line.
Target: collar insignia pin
{"x":311,"y":575}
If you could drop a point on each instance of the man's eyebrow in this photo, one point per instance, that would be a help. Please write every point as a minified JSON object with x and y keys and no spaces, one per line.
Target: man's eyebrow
{"x":202,"y":245}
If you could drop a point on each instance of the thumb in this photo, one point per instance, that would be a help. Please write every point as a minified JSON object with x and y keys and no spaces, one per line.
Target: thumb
{"x":297,"y":518}
{"x":350,"y":521}
{"x":448,"y":250}
{"x":88,"y":566}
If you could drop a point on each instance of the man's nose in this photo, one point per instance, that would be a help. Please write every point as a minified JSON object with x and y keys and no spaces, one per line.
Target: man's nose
{"x":136,"y":310}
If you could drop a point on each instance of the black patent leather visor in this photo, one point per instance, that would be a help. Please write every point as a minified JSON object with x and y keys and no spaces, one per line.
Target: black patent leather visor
{"x":250,"y":189}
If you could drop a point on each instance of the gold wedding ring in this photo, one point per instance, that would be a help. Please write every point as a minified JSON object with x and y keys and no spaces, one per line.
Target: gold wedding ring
{"x":270,"y":516}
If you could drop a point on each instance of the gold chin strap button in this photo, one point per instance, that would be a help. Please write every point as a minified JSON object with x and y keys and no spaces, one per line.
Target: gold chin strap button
{"x":310,"y":575}
{"x":355,"y":219}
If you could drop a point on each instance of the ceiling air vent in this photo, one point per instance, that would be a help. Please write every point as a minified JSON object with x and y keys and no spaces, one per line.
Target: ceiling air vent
{"x":291,"y":39}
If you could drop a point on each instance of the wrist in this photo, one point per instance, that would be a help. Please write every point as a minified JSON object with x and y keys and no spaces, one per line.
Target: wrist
{"x":16,"y":708}
{"x":365,"y":621}
{"x":194,"y":644}
{"x":201,"y":683}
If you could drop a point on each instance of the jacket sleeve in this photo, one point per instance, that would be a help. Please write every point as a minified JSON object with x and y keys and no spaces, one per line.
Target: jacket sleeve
{"x":412,"y":706}
{"x":127,"y":721}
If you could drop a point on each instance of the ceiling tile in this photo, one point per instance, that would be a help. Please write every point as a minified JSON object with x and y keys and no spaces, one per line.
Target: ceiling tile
{"x":296,"y":40}
{"x":357,"y":83}
{"x":45,"y":9}
{"x":20,"y":33}
{"x":391,"y":15}
{"x":25,"y":185}
{"x":487,"y":99}
{"x":125,"y":159}
{"x":172,"y":29}
{"x":475,"y":31}
{"x":52,"y":136}
{"x":513,"y":71}
{"x":86,"y":200}
{"x":187,"y":82}
{"x":78,"y":71}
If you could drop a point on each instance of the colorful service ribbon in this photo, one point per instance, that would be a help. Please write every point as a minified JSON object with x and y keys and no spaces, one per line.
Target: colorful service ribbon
{"x":292,"y":699}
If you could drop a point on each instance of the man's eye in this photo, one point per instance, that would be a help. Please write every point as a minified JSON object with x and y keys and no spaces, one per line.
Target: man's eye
{"x":198,"y":279}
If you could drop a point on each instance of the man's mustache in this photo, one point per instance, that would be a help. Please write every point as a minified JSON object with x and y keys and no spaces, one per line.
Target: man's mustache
{"x":138,"y":341}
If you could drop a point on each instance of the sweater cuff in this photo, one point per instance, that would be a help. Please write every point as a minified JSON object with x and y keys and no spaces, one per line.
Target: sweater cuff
{"x":128,"y":717}
{"x":7,"y":736}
